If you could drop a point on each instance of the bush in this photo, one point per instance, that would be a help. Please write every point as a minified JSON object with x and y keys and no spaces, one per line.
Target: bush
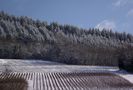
{"x":126,"y":58}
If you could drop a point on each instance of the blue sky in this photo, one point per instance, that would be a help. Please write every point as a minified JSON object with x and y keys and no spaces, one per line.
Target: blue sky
{"x":110,"y":14}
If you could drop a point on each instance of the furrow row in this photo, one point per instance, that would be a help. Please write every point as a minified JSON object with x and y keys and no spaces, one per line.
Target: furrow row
{"x":70,"y":81}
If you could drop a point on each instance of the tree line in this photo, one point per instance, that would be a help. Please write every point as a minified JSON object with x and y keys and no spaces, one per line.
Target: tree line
{"x":23,"y":37}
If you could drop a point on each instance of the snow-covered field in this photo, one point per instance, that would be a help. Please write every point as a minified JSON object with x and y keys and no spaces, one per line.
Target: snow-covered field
{"x":47,"y":66}
{"x":38,"y":69}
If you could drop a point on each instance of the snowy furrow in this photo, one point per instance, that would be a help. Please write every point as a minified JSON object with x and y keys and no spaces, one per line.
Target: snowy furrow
{"x":72,"y":81}
{"x":44,"y":75}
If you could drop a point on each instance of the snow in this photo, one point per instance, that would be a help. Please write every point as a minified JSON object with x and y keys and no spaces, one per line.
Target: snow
{"x":30,"y":84}
{"x":2,"y":61}
{"x":129,"y":77}
{"x":126,"y":75}
{"x":47,"y":67}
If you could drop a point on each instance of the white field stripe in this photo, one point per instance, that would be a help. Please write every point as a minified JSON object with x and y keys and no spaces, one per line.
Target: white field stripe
{"x":57,"y":83}
{"x":79,"y":82}
{"x":69,"y":86}
{"x":76,"y":81}
{"x":41,"y":83}
{"x":30,"y":84}
{"x":34,"y":82}
{"x":47,"y":82}
{"x":28,"y":76}
{"x":37,"y":81}
{"x":44,"y":82}
{"x":31,"y":76}
{"x":59,"y":80}
{"x":50,"y":81}
{"x":53,"y":81}
{"x":64,"y":81}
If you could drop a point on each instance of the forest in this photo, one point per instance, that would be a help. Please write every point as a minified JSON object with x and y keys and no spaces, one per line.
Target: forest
{"x":25,"y":38}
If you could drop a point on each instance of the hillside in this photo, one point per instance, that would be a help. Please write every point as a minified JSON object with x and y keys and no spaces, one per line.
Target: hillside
{"x":46,"y":75}
{"x":22,"y":37}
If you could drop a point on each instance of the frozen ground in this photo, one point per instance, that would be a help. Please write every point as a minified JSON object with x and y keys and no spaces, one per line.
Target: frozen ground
{"x":19,"y":62}
{"x":39,"y":67}
{"x":47,"y":66}
{"x":126,"y":75}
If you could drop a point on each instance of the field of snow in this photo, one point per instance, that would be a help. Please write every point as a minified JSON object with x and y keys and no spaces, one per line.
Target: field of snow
{"x":47,"y":66}
{"x":46,"y":75}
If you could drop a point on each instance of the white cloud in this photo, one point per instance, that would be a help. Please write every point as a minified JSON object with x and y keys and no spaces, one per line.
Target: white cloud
{"x":130,"y":12}
{"x":120,"y":3}
{"x":106,"y":24}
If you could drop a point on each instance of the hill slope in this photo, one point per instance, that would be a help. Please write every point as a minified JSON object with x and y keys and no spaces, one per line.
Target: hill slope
{"x":23,"y":37}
